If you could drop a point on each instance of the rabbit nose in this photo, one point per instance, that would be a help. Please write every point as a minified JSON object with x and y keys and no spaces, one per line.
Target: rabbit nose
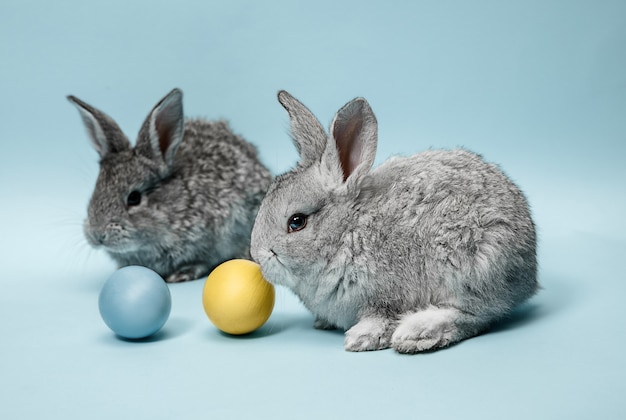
{"x":102,"y":235}
{"x":113,"y":227}
{"x":112,"y":231}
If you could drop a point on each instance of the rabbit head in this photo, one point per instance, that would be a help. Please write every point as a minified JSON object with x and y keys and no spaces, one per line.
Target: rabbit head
{"x":305,"y":221}
{"x":121,"y":216}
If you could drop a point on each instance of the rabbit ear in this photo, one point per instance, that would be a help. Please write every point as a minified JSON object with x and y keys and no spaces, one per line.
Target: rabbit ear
{"x":163,"y":129}
{"x":355,"y":132}
{"x":307,"y":132}
{"x":104,"y":133}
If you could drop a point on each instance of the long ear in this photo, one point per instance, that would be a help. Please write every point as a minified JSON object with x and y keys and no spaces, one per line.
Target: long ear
{"x":104,"y":133}
{"x":163,"y":129}
{"x":308,"y":134}
{"x":355,"y":132}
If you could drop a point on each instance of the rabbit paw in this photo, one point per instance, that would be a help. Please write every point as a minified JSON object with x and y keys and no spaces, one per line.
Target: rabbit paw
{"x":188,"y":273}
{"x":368,"y":334}
{"x":322,"y":324}
{"x":179,"y":277}
{"x":425,"y":330}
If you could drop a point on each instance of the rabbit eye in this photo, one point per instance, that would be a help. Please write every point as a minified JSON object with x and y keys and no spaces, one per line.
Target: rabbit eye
{"x":133,"y":199}
{"x":296,"y":222}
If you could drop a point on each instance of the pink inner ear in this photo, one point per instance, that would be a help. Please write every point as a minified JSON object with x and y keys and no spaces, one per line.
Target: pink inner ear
{"x":165,"y":123}
{"x":164,"y":132}
{"x":347,"y":136}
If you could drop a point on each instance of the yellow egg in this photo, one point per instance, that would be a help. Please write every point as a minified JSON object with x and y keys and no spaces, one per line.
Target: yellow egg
{"x":236,"y":297}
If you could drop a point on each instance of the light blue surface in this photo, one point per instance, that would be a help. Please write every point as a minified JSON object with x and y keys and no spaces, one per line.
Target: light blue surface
{"x":135,"y":302}
{"x":537,"y":86}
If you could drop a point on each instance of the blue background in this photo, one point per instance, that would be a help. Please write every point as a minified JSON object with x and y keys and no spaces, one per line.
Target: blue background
{"x":537,"y":86}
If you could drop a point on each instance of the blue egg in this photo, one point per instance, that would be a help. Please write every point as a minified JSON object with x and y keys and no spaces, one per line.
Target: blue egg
{"x":135,"y":302}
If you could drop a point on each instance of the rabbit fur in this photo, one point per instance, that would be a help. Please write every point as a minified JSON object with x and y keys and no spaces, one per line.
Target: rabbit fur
{"x":181,"y":201}
{"x":416,"y":254}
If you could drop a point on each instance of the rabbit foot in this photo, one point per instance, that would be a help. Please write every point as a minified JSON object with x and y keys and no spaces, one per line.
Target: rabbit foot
{"x":368,"y":334}
{"x":322,"y":324}
{"x":179,"y":277}
{"x":188,"y":273}
{"x":425,"y":330}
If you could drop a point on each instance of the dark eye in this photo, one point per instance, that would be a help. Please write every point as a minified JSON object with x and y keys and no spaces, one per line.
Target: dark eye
{"x":133,"y":199}
{"x":296,"y":222}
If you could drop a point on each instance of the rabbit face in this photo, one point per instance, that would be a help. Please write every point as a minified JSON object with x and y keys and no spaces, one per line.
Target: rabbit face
{"x":286,"y":231}
{"x":303,"y":239}
{"x":119,"y":212}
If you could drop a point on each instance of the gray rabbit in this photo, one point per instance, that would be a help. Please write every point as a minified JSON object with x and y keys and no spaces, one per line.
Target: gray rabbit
{"x":416,"y":254}
{"x":183,"y":200}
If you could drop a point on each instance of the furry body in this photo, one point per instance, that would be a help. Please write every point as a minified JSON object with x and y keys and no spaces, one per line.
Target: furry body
{"x":416,"y":254}
{"x":200,"y":187}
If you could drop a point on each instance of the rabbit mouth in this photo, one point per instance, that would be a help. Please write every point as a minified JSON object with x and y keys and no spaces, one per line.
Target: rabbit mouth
{"x":263,"y":256}
{"x":121,"y":248}
{"x":115,"y":246}
{"x":112,"y":242}
{"x":273,"y":269}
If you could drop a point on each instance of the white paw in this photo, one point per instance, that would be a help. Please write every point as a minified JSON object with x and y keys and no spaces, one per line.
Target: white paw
{"x":368,"y":334}
{"x":179,"y":278}
{"x":425,"y":330}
